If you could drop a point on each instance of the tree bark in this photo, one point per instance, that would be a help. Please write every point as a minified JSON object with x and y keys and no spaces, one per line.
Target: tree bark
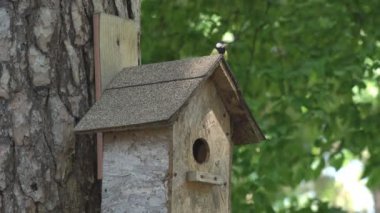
{"x":46,"y":86}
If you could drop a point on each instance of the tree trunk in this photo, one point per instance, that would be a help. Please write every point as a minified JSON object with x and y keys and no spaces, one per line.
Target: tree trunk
{"x":46,"y":86}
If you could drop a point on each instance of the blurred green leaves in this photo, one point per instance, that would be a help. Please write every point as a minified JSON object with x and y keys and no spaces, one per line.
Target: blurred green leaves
{"x":310,"y":72}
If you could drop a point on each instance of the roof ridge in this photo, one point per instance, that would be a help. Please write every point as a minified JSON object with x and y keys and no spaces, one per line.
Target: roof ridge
{"x":164,"y":72}
{"x":157,"y":82}
{"x":218,"y":57}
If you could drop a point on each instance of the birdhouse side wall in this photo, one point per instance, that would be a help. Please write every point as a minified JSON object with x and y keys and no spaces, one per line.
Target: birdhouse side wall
{"x":206,"y":118}
{"x":135,"y":168}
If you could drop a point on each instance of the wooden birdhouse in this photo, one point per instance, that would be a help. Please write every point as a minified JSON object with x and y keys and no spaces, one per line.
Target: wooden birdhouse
{"x":168,"y":132}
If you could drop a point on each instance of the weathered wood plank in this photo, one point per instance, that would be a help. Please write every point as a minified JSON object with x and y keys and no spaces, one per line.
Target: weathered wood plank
{"x":204,"y":177}
{"x":136,"y":166}
{"x":116,"y":45}
{"x":204,"y":117}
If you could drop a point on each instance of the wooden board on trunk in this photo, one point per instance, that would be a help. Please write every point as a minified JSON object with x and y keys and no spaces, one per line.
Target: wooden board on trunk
{"x":116,"y":45}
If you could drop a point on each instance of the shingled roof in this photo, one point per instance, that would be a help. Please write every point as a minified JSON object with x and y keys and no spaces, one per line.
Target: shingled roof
{"x":152,"y":94}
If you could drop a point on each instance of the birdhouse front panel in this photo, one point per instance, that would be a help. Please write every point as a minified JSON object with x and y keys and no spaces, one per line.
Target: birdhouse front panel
{"x":201,"y":154}
{"x":136,"y":164}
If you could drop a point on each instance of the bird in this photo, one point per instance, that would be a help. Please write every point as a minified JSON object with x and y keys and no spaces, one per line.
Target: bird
{"x":221,"y":47}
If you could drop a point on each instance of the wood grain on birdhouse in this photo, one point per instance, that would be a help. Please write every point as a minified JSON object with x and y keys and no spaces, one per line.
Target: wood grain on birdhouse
{"x":136,"y":165}
{"x":204,"y":117}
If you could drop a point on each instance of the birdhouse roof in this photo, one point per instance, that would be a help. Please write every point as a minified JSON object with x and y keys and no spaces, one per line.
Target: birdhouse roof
{"x":153,"y":94}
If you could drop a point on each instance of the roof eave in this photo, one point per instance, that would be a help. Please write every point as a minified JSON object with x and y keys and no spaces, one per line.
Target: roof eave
{"x":251,"y":132}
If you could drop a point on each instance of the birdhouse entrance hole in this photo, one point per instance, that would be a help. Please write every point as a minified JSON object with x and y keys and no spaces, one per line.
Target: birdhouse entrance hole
{"x":201,"y":150}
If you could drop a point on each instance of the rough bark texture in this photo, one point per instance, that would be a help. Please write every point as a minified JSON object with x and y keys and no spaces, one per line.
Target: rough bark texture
{"x":46,"y":86}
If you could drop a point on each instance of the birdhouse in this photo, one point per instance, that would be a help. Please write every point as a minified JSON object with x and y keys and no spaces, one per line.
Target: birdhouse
{"x":169,"y":129}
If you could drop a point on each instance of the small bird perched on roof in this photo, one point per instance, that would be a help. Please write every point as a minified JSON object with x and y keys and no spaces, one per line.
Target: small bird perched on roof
{"x":220,"y":47}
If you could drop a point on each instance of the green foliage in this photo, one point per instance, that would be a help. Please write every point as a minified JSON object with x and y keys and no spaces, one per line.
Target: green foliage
{"x":309,"y":71}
